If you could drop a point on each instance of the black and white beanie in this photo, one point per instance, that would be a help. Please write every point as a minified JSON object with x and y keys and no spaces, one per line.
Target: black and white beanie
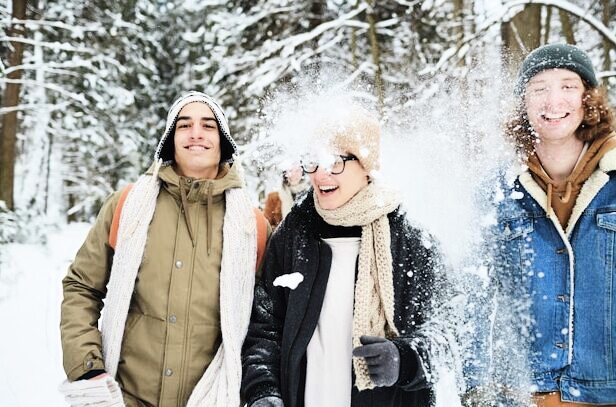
{"x":554,"y":56}
{"x":166,"y":148}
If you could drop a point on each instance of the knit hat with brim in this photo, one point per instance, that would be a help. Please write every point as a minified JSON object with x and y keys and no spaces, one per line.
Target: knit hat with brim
{"x":355,"y":132}
{"x":554,"y":56}
{"x":166,"y":148}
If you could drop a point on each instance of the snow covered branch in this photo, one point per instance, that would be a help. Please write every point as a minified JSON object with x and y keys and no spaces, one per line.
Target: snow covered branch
{"x":75,"y":96}
{"x":91,"y":27}
{"x":572,"y":9}
{"x":34,"y":106}
{"x":504,"y":15}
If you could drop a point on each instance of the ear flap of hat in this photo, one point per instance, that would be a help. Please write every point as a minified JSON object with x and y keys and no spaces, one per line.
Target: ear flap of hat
{"x":167,"y":149}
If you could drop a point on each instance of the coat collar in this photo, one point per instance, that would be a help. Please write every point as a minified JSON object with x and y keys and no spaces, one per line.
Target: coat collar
{"x":591,"y":188}
{"x":198,"y":190}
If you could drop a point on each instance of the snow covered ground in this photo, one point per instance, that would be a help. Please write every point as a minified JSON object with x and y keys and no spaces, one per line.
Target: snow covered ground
{"x":30,"y":352}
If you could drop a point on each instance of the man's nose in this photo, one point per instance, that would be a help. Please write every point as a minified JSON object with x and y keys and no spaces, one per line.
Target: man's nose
{"x":554,"y":95}
{"x":196,"y":132}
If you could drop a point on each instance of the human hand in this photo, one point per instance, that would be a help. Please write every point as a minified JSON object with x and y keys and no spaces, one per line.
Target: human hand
{"x":382,"y":357}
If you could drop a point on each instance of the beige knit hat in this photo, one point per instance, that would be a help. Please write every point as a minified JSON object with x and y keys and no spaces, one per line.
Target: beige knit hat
{"x":357,"y":132}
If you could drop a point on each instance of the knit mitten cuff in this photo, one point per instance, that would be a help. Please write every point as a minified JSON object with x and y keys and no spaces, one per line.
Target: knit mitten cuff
{"x":103,"y":392}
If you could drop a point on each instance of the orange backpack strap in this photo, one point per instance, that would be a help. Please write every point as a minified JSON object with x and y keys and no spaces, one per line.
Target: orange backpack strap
{"x":261,"y":236}
{"x":115,"y":222}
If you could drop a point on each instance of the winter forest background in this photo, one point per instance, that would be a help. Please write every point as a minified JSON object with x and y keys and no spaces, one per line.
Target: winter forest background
{"x":85,"y":86}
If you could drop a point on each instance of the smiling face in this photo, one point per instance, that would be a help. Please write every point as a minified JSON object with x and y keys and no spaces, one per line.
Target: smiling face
{"x":554,"y":104}
{"x":197,"y":142}
{"x":334,"y":190}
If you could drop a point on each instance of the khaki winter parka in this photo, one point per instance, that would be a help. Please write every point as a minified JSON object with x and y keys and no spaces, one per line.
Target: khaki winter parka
{"x":173,"y":326}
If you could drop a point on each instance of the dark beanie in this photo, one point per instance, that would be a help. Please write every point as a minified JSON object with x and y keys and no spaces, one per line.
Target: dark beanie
{"x":553,"y":56}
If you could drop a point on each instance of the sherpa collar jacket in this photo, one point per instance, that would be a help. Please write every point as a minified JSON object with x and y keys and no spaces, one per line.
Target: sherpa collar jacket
{"x":568,"y":276}
{"x":283,"y":320}
{"x":173,"y":326}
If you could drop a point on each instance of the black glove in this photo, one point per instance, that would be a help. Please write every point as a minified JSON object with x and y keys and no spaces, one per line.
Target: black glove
{"x":269,"y":401}
{"x":382,"y":357}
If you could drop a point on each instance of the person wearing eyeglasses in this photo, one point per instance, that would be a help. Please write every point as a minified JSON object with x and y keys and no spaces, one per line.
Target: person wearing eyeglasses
{"x":340,"y":315}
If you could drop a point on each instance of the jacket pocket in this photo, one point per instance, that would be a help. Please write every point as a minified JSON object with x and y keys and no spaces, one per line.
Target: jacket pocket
{"x":203,"y":345}
{"x":510,"y":229}
{"x":141,"y":357}
{"x":607,"y":220}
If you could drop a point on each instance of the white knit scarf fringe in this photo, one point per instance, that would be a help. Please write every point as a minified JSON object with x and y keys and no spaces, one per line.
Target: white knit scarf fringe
{"x":374,"y":293}
{"x":220,"y":384}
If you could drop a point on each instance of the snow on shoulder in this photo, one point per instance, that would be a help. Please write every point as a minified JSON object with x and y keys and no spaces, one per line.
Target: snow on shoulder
{"x":289,"y":280}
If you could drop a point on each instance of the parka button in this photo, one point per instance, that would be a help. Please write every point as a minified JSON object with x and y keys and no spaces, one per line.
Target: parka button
{"x":173,"y":319}
{"x":168,"y":372}
{"x":178,"y":264}
{"x":89,"y":364}
{"x":195,"y":185}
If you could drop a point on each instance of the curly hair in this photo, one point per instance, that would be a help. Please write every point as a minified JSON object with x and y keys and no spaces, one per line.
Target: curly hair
{"x":598,"y":122}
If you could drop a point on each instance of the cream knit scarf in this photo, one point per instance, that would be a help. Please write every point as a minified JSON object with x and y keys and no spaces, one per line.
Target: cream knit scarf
{"x":373,"y":312}
{"x":220,"y":384}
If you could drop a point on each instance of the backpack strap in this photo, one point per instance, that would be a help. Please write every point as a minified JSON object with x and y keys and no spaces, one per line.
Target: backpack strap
{"x":115,"y":222}
{"x":261,"y":236}
{"x":259,"y":217}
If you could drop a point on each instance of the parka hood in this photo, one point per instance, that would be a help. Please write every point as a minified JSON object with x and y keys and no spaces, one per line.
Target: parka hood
{"x":165,"y":150}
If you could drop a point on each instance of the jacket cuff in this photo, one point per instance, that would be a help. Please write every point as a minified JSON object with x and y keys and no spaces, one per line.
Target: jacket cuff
{"x":91,"y":363}
{"x":412,"y":375}
{"x":91,"y":374}
{"x":263,"y":390}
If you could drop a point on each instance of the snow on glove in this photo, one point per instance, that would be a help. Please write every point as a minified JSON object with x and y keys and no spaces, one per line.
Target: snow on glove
{"x":103,"y":392}
{"x":382,"y":357}
{"x":270,"y":401}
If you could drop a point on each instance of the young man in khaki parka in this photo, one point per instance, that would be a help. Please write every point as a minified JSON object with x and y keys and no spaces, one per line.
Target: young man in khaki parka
{"x":177,"y":287}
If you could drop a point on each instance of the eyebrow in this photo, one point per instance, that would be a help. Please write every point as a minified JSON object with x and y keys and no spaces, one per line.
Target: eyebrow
{"x":207,"y":118}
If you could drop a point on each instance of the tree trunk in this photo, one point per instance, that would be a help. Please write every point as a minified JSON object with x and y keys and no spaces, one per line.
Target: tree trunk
{"x":458,"y":14}
{"x":547,"y":26}
{"x":376,"y":55}
{"x":8,"y":132}
{"x":606,"y":44}
{"x":521,"y":35}
{"x":567,"y":28}
{"x":353,"y":44}
{"x":315,"y":18}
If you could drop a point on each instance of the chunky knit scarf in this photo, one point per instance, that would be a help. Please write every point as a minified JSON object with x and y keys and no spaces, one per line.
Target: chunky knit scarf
{"x":220,"y":384}
{"x":373,"y":312}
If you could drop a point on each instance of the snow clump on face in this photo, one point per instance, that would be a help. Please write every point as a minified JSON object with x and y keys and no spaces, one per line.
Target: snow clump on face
{"x":316,"y":125}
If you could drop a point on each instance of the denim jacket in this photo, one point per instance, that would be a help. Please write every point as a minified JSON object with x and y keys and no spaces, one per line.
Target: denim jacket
{"x":568,"y":277}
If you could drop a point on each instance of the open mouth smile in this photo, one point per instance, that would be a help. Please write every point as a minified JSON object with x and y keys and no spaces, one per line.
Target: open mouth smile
{"x":554,"y":117}
{"x":326,"y":190}
{"x":196,"y":148}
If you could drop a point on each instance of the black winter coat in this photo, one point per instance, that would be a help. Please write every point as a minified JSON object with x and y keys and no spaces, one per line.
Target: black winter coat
{"x":283,"y":320}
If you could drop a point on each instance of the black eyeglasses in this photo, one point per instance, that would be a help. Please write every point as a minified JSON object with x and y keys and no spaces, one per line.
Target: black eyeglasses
{"x":336,"y":168}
